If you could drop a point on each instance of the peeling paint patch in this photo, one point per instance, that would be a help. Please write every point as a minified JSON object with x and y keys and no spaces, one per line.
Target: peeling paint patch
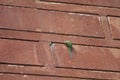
{"x":79,"y":14}
{"x":25,"y":75}
{"x":9,"y":7}
{"x":12,"y":65}
{"x":21,"y":66}
{"x":116,"y":53}
{"x":83,"y":14}
{"x":38,"y":30}
{"x":71,"y":13}
{"x":99,"y":18}
{"x":41,"y":1}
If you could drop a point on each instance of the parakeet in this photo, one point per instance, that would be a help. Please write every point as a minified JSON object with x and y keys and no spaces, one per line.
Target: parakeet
{"x":70,"y":47}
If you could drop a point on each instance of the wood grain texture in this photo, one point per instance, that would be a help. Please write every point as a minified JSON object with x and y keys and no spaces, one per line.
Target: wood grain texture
{"x":27,"y":27}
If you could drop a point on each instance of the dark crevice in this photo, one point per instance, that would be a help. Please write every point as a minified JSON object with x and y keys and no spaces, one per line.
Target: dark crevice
{"x":18,"y":64}
{"x":89,"y":13}
{"x":101,"y":46}
{"x":97,"y":37}
{"x":51,"y":76}
{"x":19,"y":39}
{"x":116,"y":39}
{"x":113,"y":16}
{"x":75,"y":3}
{"x":100,"y":70}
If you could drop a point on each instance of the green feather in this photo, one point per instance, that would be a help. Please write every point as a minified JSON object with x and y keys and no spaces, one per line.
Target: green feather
{"x":70,"y":47}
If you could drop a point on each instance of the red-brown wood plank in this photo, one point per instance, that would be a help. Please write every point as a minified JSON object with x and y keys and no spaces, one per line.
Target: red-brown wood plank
{"x":20,"y":52}
{"x":28,"y":77}
{"x":114,"y":23}
{"x":62,"y":7}
{"x":50,"y":21}
{"x":87,"y":57}
{"x":36,"y":36}
{"x":27,"y":27}
{"x":61,"y":72}
{"x":109,"y":3}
